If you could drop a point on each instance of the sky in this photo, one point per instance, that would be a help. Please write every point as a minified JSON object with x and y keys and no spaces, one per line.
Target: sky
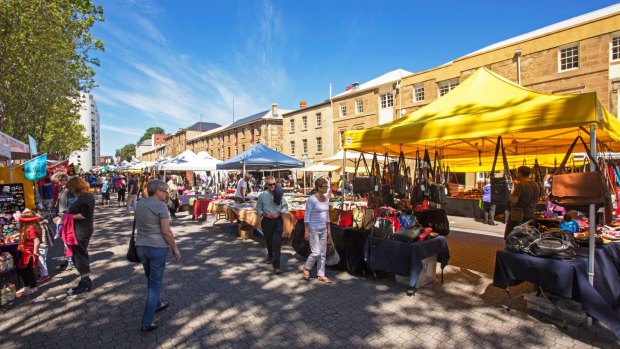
{"x":172,"y":63}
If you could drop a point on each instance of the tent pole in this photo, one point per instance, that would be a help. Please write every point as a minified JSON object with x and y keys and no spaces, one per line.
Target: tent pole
{"x":343,"y":176}
{"x":304,"y":182}
{"x":592,"y":218}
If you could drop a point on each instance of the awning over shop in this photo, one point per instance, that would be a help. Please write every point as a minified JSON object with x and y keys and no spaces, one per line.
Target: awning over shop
{"x":260,"y":157}
{"x":466,"y":122}
{"x":486,"y":163}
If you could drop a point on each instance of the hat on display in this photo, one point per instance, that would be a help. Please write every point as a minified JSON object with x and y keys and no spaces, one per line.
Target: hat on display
{"x":29,"y":217}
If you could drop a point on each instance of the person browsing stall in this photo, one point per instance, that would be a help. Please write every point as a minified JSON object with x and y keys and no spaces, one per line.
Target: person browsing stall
{"x":271,"y":206}
{"x":154,"y":239}
{"x":523,"y":199}
{"x":243,"y":188}
{"x":317,"y":229}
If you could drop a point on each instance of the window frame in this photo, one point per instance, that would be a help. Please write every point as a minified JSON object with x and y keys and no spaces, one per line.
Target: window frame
{"x":292,"y":145}
{"x":304,"y":146}
{"x":383,"y":104}
{"x":342,"y":110}
{"x":611,"y":48}
{"x":304,"y":122}
{"x":450,"y":84}
{"x":291,"y":125}
{"x":567,"y":47}
{"x":416,"y":88}
{"x":319,"y":144}
{"x":318,"y":119}
{"x":359,"y":106}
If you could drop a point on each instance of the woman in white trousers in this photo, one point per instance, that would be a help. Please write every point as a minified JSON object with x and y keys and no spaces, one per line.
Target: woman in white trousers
{"x":317,"y":229}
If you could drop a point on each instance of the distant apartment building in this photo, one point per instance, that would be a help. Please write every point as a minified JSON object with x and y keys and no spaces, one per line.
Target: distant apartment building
{"x":308,"y":132}
{"x":88,"y":158}
{"x":149,"y":144}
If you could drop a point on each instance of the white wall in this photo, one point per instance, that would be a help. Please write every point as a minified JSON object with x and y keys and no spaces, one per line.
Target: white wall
{"x":89,"y":117}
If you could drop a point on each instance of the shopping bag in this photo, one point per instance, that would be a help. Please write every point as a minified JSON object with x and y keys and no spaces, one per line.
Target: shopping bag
{"x":132,"y":253}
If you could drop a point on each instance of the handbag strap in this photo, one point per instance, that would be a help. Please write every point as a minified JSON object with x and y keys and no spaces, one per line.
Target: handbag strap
{"x":438,"y":168}
{"x":570,"y":151}
{"x":362,"y":158}
{"x":133,"y":230}
{"x":375,"y":170}
{"x":500,"y":145}
{"x":429,"y":165}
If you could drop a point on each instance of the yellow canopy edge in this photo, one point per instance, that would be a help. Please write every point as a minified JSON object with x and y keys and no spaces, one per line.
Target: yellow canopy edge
{"x":467,"y":121}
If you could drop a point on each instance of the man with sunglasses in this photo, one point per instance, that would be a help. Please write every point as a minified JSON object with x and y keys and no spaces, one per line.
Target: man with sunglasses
{"x":271,"y":206}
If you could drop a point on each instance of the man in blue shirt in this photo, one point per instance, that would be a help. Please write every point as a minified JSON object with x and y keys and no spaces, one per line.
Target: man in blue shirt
{"x":271,"y":206}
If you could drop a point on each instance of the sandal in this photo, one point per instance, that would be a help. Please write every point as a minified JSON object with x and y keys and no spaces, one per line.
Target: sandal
{"x":324,"y":279}
{"x":306,"y":273}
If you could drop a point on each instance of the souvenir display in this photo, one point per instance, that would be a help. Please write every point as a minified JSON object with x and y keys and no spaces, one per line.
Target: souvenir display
{"x":12,"y":198}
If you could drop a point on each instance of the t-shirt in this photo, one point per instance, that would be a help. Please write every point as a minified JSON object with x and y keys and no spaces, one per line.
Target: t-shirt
{"x":149,"y":213}
{"x":84,"y":205}
{"x":134,"y":186}
{"x":47,"y":191}
{"x":317,"y":213}
{"x":105,"y":187}
{"x":528,"y":193}
{"x":242,"y":184}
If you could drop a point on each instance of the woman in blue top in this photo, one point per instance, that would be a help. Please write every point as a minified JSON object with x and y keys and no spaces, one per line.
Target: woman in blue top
{"x":316,"y":222}
{"x":489,"y":208}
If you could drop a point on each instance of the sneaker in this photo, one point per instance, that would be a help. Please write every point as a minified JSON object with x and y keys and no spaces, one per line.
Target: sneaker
{"x":84,"y":285}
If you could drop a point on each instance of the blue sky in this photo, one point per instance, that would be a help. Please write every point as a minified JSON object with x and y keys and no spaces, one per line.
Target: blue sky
{"x":167,"y":63}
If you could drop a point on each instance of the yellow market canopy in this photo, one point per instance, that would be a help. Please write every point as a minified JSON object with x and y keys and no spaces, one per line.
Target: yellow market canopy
{"x":465,"y":123}
{"x":486,"y":163}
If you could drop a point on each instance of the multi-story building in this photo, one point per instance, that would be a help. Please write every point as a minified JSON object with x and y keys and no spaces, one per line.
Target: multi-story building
{"x":369,"y":104}
{"x":176,"y":143}
{"x":88,"y":158}
{"x":264,"y":127}
{"x":150,"y":144}
{"x":308,"y":132}
{"x":578,"y":55}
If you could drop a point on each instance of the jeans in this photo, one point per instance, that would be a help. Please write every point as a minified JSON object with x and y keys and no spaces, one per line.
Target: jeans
{"x":131,"y":202}
{"x":153,"y":261}
{"x":272,"y":228}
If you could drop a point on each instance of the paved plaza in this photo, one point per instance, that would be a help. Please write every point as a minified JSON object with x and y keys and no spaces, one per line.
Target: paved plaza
{"x":222,"y":296}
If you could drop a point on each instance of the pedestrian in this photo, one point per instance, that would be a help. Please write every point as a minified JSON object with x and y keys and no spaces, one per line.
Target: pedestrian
{"x":317,"y":229}
{"x":271,"y":206}
{"x":83,"y":210}
{"x":121,"y":189}
{"x":173,"y":195}
{"x":523,"y":199}
{"x":243,"y":187}
{"x":154,"y":238}
{"x":29,"y":241}
{"x":488,"y":206}
{"x":47,"y":194}
{"x":132,"y":193}
{"x":46,"y":242}
{"x":62,"y":205}
{"x":105,"y":191}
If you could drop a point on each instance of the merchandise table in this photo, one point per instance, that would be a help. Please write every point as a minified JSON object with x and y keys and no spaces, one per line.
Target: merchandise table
{"x":569,"y":279}
{"x":201,"y":207}
{"x":219,"y":208}
{"x":405,"y":258}
{"x":252,"y":218}
{"x":349,"y":243}
{"x":13,"y":250}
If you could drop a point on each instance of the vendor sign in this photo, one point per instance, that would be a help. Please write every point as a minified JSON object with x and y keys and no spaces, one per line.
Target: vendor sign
{"x":36,"y":168}
{"x":59,"y":167}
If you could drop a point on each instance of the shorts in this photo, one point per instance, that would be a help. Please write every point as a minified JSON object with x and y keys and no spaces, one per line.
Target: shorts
{"x":105,"y":196}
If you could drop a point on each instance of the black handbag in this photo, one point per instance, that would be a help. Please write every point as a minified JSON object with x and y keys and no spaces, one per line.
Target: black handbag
{"x":132,"y":253}
{"x":521,"y":237}
{"x":363,"y":184}
{"x":500,"y":187}
{"x":400,"y":177}
{"x":555,"y":245}
{"x":383,"y":228}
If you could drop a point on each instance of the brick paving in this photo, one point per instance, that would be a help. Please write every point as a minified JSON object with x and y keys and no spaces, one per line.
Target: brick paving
{"x":223,"y":297}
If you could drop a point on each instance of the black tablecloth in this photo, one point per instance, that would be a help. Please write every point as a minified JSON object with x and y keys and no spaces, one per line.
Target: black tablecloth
{"x":569,"y":279}
{"x":404,"y":258}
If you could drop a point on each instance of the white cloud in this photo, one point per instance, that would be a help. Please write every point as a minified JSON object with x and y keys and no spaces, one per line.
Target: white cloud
{"x":124,"y":130}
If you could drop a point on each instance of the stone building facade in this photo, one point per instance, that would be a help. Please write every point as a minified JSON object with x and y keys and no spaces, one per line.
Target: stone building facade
{"x":308,"y":133}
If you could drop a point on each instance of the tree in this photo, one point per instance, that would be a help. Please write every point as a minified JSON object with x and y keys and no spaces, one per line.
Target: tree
{"x":149,"y":132}
{"x":45,"y":64}
{"x":127,"y":152}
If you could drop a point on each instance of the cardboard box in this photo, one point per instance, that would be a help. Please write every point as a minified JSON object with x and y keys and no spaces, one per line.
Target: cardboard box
{"x":246,"y":232}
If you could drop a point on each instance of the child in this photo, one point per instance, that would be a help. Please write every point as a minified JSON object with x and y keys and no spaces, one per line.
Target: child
{"x":29,"y":241}
{"x":47,"y":241}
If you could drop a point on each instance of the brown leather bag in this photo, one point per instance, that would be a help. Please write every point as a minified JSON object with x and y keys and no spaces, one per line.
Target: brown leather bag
{"x":578,"y":188}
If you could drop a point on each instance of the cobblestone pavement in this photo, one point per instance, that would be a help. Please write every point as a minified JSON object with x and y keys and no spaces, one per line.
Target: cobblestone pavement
{"x":223,"y":297}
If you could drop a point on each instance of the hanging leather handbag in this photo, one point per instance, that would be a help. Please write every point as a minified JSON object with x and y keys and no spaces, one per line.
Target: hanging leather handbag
{"x":132,"y":253}
{"x":578,"y":189}
{"x":500,"y":187}
{"x":363,"y":184}
{"x":555,"y":245}
{"x":382,"y":228}
{"x":363,"y":218}
{"x":417,"y":190}
{"x":400,"y":178}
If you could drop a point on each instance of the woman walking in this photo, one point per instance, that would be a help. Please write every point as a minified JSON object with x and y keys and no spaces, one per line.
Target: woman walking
{"x":317,"y":229}
{"x":83,"y":210}
{"x":154,"y":239}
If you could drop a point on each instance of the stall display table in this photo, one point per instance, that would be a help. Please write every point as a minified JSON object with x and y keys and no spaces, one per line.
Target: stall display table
{"x":247,"y":214}
{"x":405,"y":258}
{"x":200,"y":208}
{"x":569,"y":279}
{"x":7,"y":274}
{"x":219,"y":208}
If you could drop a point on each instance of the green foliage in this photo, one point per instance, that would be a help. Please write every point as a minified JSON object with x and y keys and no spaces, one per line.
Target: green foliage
{"x":45,"y":64}
{"x":127,"y":152}
{"x":149,"y":132}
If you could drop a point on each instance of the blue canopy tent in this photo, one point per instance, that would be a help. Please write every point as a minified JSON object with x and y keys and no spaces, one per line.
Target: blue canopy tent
{"x":258,"y":158}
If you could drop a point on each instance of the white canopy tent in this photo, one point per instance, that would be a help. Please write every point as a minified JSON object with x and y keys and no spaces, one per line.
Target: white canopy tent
{"x":189,"y":161}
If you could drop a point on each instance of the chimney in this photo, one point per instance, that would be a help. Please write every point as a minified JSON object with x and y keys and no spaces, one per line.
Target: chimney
{"x":274,"y":110}
{"x":302,"y":105}
{"x":348,"y":88}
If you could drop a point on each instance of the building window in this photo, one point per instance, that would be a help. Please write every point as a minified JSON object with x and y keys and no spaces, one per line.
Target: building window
{"x":319,"y":145}
{"x":343,"y":109}
{"x":359,"y":106}
{"x":447,"y":86}
{"x":292,"y":147}
{"x":304,"y":122}
{"x":292,"y":125}
{"x":387,"y":100}
{"x":304,"y":143}
{"x":569,"y":58}
{"x":418,"y":92}
{"x":615,"y":48}
{"x":318,"y":119}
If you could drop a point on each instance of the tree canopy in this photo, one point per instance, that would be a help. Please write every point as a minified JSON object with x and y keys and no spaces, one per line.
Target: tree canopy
{"x":45,"y":65}
{"x":127,"y":152}
{"x":149,"y":132}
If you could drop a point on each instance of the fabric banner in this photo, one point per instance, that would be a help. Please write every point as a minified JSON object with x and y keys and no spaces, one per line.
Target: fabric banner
{"x":59,"y":167}
{"x":36,"y":168}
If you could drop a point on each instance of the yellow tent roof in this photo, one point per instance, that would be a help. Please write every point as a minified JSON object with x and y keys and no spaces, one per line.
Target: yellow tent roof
{"x":486,"y":163}
{"x":468,"y":120}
